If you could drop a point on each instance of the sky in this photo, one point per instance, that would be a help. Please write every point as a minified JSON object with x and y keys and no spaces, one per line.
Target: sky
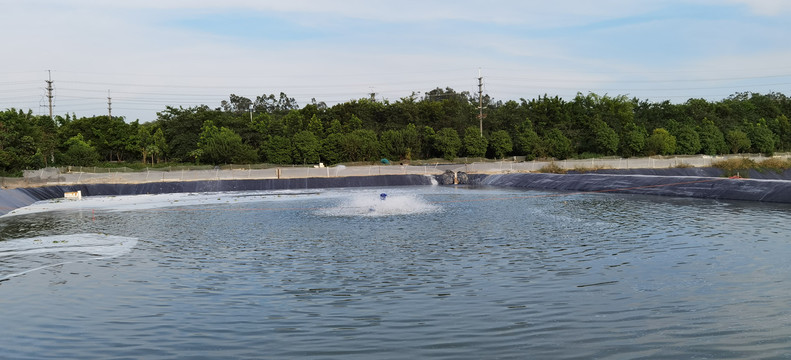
{"x":146,"y":55}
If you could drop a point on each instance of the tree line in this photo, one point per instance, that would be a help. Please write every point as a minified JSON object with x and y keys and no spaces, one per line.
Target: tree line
{"x":442,"y":123}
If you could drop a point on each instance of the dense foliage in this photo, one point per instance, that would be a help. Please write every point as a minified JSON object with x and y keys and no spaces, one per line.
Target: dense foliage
{"x":441,"y":124}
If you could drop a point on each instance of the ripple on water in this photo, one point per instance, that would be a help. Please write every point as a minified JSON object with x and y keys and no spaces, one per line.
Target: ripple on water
{"x":446,"y":273}
{"x":21,"y":256}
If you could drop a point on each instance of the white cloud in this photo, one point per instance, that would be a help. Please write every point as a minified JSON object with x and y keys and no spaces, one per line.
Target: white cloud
{"x":401,"y":47}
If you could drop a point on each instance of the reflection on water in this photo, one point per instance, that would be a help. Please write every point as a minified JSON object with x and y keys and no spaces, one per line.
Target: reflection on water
{"x":483,"y":273}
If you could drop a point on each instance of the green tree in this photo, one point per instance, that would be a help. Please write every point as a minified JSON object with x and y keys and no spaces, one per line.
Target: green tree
{"x":159,"y":146}
{"x":412,"y":144}
{"x":393,"y":145}
{"x":24,"y":141}
{"x":474,"y":144}
{"x":332,"y":148}
{"x":634,"y":140}
{"x":527,"y":142}
{"x":762,"y":139}
{"x":279,"y":150}
{"x":276,"y":127}
{"x":335,"y":127}
{"x":107,"y":135}
{"x":45,"y":135}
{"x":362,"y":145}
{"x":79,"y":152}
{"x":307,"y":147}
{"x":557,"y":145}
{"x":316,"y":126}
{"x":427,"y":139}
{"x":354,"y":123}
{"x":182,"y":129}
{"x":443,"y":108}
{"x":661,"y":143}
{"x":506,"y":116}
{"x":293,"y":122}
{"x":687,"y":140}
{"x":545,"y":113}
{"x":605,"y":139}
{"x":236,"y":104}
{"x":260,"y":124}
{"x":712,"y":140}
{"x":144,"y":141}
{"x":500,"y":144}
{"x":219,"y":146}
{"x":738,"y":141}
{"x":447,"y":143}
{"x":781,"y":126}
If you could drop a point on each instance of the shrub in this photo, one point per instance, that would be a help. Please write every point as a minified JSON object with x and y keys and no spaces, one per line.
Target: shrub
{"x":775,"y":164}
{"x":552,"y":168}
{"x":583,"y":169}
{"x":735,"y":166}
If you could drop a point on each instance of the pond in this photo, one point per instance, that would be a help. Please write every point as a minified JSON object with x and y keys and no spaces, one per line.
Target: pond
{"x":428,"y":272}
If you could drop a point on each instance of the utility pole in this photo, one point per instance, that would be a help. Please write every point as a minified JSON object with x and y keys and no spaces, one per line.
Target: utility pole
{"x":109,"y":106}
{"x":49,"y":94}
{"x":480,"y":100}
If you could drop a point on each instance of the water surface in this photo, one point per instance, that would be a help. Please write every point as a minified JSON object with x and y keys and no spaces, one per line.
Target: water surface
{"x":432,"y":272}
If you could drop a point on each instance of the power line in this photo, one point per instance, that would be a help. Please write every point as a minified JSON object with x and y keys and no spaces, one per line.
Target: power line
{"x":150,"y":95}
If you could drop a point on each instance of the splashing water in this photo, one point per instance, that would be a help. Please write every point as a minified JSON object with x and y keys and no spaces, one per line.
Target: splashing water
{"x":372,"y":205}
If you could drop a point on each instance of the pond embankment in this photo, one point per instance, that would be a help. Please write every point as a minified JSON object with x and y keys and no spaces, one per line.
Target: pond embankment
{"x":681,"y":184}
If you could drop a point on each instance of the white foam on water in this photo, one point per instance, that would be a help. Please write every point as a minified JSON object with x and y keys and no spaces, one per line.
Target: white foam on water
{"x":369,"y":204}
{"x":157,"y":201}
{"x":353,"y":202}
{"x":21,"y":256}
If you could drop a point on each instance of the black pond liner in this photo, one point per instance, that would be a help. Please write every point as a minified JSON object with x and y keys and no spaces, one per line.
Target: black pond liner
{"x":679,"y":182}
{"x":15,"y":198}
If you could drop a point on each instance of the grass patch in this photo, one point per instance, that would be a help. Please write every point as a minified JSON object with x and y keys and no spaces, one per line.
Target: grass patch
{"x":584,"y":169}
{"x":735,"y":166}
{"x":552,"y":168}
{"x":777,"y":165}
{"x":741,"y":166}
{"x":683,"y":165}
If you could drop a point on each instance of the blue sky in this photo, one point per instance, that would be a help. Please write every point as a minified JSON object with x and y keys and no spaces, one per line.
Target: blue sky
{"x":149,"y":54}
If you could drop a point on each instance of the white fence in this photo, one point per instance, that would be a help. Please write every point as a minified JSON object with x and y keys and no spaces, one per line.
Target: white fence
{"x":54,"y":176}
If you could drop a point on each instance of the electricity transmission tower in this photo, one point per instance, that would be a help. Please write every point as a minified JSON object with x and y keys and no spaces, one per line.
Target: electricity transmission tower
{"x":480,"y":100}
{"x":49,"y":93}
